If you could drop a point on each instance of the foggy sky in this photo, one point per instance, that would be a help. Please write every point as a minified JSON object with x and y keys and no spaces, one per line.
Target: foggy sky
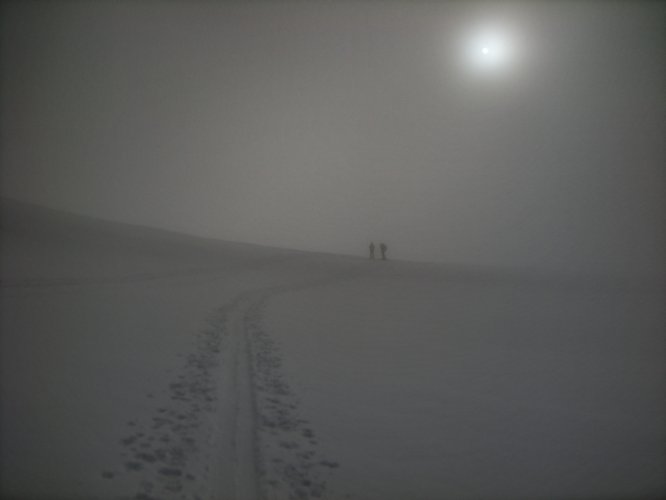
{"x":324,"y":125}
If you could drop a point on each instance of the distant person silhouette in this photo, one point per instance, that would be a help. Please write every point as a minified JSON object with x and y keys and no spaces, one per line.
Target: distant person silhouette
{"x":372,"y":251}
{"x":383,"y":248}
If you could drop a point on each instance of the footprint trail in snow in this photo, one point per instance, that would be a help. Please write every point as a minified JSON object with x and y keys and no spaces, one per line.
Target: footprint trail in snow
{"x":228,"y":420}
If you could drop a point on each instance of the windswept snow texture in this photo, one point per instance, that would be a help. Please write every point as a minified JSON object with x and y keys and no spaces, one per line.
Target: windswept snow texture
{"x":141,"y":364}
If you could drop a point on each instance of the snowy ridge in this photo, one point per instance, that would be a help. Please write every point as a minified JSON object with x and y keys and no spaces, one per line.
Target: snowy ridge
{"x":140,"y":366}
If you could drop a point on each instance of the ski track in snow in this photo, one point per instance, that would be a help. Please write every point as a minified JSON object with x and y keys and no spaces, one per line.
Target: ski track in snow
{"x":288,"y":462}
{"x":231,"y":398}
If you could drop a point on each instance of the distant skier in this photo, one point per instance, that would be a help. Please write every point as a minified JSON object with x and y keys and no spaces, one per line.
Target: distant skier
{"x":383,"y":248}
{"x":372,"y":251}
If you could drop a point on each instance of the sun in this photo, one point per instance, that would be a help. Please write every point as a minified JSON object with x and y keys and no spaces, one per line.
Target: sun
{"x":489,"y":50}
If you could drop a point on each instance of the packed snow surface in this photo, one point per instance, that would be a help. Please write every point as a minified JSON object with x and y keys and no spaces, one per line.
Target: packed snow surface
{"x":141,"y":364}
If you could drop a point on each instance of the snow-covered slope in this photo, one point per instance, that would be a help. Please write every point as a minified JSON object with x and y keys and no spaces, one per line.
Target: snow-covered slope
{"x":138,"y":363}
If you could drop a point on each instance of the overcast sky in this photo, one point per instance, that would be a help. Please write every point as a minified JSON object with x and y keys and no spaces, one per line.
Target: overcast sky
{"x":323,"y":125}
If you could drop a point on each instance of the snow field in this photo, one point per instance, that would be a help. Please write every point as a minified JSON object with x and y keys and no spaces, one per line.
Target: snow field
{"x":140,"y":364}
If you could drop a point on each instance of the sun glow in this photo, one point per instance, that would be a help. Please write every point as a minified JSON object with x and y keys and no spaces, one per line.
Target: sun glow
{"x":489,"y":50}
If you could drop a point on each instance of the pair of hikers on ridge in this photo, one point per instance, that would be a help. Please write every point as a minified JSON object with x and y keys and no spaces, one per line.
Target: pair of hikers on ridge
{"x":382,"y":248}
